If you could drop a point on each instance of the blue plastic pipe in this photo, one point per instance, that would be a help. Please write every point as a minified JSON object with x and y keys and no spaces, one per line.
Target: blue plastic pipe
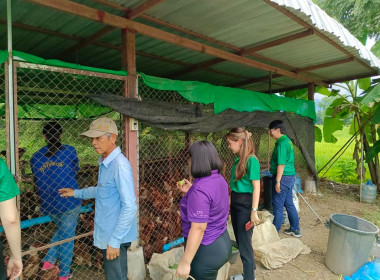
{"x":170,"y":245}
{"x":46,"y":219}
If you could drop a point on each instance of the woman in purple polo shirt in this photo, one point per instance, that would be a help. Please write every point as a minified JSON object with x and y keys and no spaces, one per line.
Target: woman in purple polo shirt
{"x":204,"y":212}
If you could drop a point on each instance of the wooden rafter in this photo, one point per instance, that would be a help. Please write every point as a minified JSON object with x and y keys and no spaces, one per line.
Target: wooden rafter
{"x":250,"y":51}
{"x":117,"y":21}
{"x":288,"y":88}
{"x":87,"y":41}
{"x":254,"y":80}
{"x":205,"y":66}
{"x":195,"y":67}
{"x":327,"y":64}
{"x":278,"y":42}
{"x":131,"y":14}
{"x":171,"y":26}
{"x":304,"y":69}
{"x":144,"y":7}
{"x":316,"y":31}
{"x":114,"y":47}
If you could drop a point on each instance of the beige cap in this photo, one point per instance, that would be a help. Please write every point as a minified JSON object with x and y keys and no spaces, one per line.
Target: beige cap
{"x":100,"y":127}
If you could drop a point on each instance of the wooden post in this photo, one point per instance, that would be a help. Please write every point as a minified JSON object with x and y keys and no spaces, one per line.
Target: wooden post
{"x":310,"y":92}
{"x":130,"y":135}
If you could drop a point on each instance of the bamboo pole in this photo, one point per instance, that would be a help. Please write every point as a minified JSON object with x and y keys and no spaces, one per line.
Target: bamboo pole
{"x":56,"y":243}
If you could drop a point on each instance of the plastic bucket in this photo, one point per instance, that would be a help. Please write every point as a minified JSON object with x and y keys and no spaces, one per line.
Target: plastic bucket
{"x":350,"y":243}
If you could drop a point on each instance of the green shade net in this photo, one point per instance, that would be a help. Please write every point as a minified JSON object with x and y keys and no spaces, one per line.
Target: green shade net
{"x":223,"y":98}
{"x":45,"y":111}
{"x":236,"y":99}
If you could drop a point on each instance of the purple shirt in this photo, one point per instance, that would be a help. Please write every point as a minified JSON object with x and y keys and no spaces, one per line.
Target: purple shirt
{"x":207,"y":201}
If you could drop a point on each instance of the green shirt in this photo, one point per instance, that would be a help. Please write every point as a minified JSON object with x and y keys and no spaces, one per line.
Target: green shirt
{"x":244,"y":185}
{"x":8,"y":187}
{"x":283,"y":154}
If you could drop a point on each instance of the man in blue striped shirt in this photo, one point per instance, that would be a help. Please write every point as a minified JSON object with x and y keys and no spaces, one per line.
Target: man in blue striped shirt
{"x":115,"y":201}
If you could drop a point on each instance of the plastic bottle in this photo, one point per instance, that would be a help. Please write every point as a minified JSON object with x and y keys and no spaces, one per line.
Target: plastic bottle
{"x":297,"y":184}
{"x":369,"y":192}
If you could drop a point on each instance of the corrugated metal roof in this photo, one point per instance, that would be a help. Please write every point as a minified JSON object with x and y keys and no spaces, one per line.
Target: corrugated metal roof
{"x":308,"y":11}
{"x":240,"y":23}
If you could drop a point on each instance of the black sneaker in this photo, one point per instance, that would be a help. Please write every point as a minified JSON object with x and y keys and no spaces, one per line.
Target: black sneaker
{"x":295,"y":233}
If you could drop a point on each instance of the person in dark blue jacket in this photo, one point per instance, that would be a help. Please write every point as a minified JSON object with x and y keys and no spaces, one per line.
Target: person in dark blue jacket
{"x":54,"y":167}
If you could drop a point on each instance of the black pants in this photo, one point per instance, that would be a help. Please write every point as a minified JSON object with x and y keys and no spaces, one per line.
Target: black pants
{"x":209,"y":259}
{"x":117,"y":269}
{"x":3,"y":270}
{"x":241,"y":206}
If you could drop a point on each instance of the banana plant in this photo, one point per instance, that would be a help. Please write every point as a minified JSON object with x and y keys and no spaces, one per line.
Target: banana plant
{"x":358,"y":100}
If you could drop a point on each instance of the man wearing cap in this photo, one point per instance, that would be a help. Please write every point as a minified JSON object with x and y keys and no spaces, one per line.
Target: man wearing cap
{"x":115,"y":201}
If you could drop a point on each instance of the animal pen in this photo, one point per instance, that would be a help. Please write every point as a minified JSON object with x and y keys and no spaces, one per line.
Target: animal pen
{"x":44,"y":93}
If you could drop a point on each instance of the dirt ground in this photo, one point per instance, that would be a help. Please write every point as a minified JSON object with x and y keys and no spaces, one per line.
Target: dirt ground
{"x":331,"y":199}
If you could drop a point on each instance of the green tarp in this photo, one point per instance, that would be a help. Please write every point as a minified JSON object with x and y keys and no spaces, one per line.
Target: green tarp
{"x":233,"y":98}
{"x":222,"y":98}
{"x":54,"y":62}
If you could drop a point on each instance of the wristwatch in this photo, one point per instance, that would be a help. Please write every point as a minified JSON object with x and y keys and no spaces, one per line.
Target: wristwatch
{"x":254,"y":209}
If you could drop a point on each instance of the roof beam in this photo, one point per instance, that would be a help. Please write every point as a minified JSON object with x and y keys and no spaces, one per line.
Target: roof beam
{"x":349,"y":78}
{"x":87,"y":41}
{"x":41,"y":30}
{"x":171,"y":26}
{"x":254,"y":80}
{"x":249,"y":51}
{"x":316,"y":31}
{"x":278,"y":42}
{"x":120,"y":22}
{"x":327,"y":64}
{"x":131,"y":14}
{"x":288,"y":88}
{"x":142,"y":8}
{"x":114,"y":47}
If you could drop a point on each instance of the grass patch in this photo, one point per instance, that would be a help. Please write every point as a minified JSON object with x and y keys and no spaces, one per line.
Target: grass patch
{"x":372,"y":215}
{"x":343,"y":169}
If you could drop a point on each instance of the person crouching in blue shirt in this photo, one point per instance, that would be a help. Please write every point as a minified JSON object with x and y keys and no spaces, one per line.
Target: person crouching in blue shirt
{"x":115,"y":201}
{"x":55,"y":166}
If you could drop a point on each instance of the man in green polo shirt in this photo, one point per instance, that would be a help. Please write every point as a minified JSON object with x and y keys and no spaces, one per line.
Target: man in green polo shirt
{"x":283,"y":171}
{"x":11,"y":222}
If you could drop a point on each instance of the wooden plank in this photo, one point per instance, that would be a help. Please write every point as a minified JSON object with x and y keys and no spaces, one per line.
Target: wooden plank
{"x":323,"y":65}
{"x":131,"y":137}
{"x":144,"y":7}
{"x":254,"y":80}
{"x":87,"y":41}
{"x":250,"y":51}
{"x":171,"y":26}
{"x":310,"y":91}
{"x":110,"y":46}
{"x":278,"y":42}
{"x":117,"y":21}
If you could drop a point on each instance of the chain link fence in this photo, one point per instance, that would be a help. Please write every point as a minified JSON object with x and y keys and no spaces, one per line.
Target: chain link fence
{"x":46,"y":94}
{"x":57,"y":230}
{"x":164,"y":160}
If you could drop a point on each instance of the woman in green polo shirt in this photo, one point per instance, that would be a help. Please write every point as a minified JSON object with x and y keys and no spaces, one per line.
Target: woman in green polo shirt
{"x":245,"y":194}
{"x":11,"y":222}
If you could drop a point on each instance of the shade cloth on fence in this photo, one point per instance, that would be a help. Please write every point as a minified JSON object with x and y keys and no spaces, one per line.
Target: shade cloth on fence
{"x":193,"y":119}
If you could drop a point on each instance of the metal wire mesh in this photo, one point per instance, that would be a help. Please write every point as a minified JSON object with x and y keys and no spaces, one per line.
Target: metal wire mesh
{"x":164,"y":160}
{"x":43,"y":95}
{"x":48,"y":93}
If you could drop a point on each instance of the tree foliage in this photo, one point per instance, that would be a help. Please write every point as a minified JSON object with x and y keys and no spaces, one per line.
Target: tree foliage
{"x":360,"y":17}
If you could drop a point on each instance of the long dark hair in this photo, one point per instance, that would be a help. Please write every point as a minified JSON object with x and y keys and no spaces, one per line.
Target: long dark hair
{"x":52,"y":132}
{"x":204,"y":159}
